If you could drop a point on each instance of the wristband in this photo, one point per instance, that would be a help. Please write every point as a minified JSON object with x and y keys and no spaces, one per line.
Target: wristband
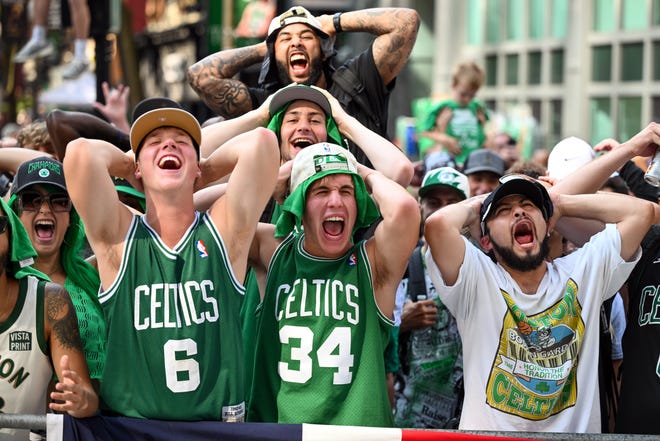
{"x":336,"y":20}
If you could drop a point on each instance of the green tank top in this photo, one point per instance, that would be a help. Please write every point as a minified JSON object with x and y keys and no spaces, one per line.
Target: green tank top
{"x":320,"y":343}
{"x":174,"y":337}
{"x":92,"y":326}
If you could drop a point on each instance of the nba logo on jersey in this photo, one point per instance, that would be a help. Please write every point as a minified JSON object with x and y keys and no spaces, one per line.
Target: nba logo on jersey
{"x":201,"y":248}
{"x":352,"y":260}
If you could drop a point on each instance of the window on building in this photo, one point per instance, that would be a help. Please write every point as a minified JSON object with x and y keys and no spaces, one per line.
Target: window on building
{"x":534,"y":67}
{"x":475,"y":29}
{"x":632,"y":61}
{"x":514,"y":24}
{"x":554,"y":121}
{"x":601,"y":63}
{"x":656,"y":60}
{"x":535,"y":107}
{"x":493,"y":20}
{"x":537,"y":16}
{"x":557,"y":66}
{"x":604,"y":19}
{"x":491,"y":70}
{"x":634,"y":14}
{"x":600,"y":116}
{"x":512,"y":63}
{"x":559,"y":17}
{"x":630,"y":116}
{"x":655,"y":102}
{"x":656,"y":13}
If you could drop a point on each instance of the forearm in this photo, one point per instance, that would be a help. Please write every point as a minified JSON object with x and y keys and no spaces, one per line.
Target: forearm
{"x":244,"y":147}
{"x":212,"y":79}
{"x":385,"y":156}
{"x":102,"y":157}
{"x":12,"y":157}
{"x":375,"y":21}
{"x":604,"y":207}
{"x":64,"y":127}
{"x":215,"y":135}
{"x":227,"y":63}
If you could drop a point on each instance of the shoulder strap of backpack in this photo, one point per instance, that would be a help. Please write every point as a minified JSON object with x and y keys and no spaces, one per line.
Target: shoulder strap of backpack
{"x":416,"y":279}
{"x":352,"y":85}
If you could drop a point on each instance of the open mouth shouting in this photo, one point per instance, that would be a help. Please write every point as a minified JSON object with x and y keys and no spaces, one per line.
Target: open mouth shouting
{"x":523,"y":233}
{"x":299,"y":63}
{"x":44,"y":230}
{"x":300,"y":142}
{"x":333,"y":226}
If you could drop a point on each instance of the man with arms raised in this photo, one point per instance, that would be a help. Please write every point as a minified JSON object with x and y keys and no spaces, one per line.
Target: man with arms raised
{"x":530,"y":327}
{"x":172,"y":279}
{"x":328,"y":305}
{"x":299,"y":49}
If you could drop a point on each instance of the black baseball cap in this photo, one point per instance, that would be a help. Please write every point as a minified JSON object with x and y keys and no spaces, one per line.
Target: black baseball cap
{"x":297,"y":92}
{"x":42,"y":170}
{"x":516,"y":184}
{"x":483,"y":160}
{"x":153,"y":113}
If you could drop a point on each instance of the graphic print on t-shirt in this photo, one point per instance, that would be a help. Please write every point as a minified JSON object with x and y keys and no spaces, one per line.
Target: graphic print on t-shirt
{"x":534,"y":371}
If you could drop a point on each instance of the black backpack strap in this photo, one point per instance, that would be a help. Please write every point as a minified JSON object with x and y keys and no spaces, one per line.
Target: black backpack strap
{"x":351,"y":84}
{"x":416,"y":279}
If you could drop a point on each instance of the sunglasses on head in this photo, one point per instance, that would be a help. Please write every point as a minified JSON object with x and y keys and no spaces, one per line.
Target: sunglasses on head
{"x":32,"y":201}
{"x":4,"y":221}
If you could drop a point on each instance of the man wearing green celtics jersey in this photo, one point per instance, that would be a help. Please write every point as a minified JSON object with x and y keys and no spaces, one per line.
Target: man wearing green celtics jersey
{"x":172,"y":279}
{"x":328,"y":305}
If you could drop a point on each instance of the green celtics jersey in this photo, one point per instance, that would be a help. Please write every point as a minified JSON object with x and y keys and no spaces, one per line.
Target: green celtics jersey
{"x":174,"y":346}
{"x":321,"y":342}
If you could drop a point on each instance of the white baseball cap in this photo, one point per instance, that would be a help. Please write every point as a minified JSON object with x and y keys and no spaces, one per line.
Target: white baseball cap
{"x":568,"y":155}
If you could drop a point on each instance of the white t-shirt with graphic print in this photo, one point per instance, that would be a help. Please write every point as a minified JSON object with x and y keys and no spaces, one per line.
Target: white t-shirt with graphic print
{"x":531,"y":360}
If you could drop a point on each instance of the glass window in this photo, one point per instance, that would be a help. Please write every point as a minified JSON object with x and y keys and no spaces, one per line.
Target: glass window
{"x":604,"y":20}
{"x":493,"y":20}
{"x":559,"y":18}
{"x":601,"y":63}
{"x":632,"y":61}
{"x":535,"y":107}
{"x":534,"y":67}
{"x":656,"y":13}
{"x":475,"y":29}
{"x":600,"y":120}
{"x":634,"y":14}
{"x":557,"y":66}
{"x":555,"y":120}
{"x":514,"y":23}
{"x":630,"y":115}
{"x":512,"y":63}
{"x":537,"y":17}
{"x":656,"y":108}
{"x":656,"y":61}
{"x":491,"y":105}
{"x":491,"y":70}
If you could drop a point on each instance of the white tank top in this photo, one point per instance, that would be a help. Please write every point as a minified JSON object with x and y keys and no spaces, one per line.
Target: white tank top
{"x":25,"y":368}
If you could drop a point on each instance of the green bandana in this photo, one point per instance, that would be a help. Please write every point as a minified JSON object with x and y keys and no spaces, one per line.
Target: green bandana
{"x":21,"y":252}
{"x":312,"y":164}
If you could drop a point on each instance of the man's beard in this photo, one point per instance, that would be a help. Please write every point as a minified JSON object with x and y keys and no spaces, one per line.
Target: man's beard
{"x":526,"y":263}
{"x":315,"y":72}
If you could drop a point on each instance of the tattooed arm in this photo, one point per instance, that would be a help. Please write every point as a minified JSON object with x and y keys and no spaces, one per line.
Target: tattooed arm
{"x":73,"y":393}
{"x":395,"y":30}
{"x":212,"y":79}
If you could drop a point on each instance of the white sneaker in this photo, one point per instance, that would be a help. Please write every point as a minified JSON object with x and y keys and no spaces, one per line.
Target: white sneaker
{"x":75,"y":68}
{"x":34,"y":49}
